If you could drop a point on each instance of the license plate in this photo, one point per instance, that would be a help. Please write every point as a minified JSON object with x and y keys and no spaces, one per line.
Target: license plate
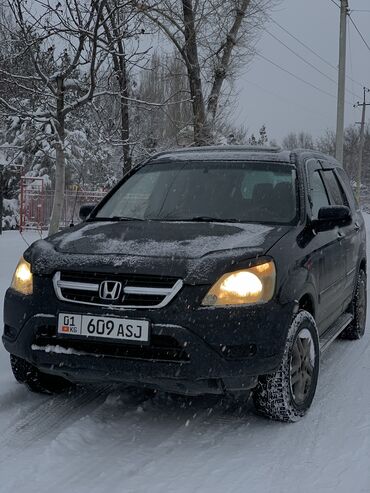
{"x":121,"y":329}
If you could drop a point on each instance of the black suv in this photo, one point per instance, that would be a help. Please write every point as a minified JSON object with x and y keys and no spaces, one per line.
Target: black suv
{"x":214,"y":270}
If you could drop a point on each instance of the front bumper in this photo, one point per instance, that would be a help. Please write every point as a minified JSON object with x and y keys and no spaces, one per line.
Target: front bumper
{"x":197,"y":350}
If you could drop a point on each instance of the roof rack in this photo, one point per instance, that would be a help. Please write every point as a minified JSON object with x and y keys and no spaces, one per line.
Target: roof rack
{"x":221,"y":148}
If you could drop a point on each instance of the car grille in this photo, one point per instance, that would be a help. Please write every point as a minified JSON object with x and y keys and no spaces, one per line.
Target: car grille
{"x":161,"y":348}
{"x":129,"y":290}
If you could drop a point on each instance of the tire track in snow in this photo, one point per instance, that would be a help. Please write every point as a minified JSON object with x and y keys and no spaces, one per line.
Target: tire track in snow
{"x":98,"y":434}
{"x":49,"y":417}
{"x":338,"y":376}
{"x":15,"y":396}
{"x":159,"y":438}
{"x":127,"y":437}
{"x":190,"y":451}
{"x":140,"y":435}
{"x":62,"y":432}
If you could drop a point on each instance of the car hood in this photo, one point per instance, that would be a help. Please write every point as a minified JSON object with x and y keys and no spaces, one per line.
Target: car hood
{"x":196,"y":252}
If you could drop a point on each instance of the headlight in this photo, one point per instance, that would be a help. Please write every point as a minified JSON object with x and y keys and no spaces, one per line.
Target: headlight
{"x":243,"y":287}
{"x":22,"y":278}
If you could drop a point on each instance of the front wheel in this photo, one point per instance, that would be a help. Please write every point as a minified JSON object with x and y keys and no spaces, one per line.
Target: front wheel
{"x":287,"y":394}
{"x":35,"y":380}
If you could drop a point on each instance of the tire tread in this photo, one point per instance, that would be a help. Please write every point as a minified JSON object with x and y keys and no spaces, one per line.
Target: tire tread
{"x":272,"y":397}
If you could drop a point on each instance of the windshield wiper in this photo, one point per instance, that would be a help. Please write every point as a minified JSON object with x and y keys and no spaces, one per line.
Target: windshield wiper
{"x":204,"y":219}
{"x":115,"y":219}
{"x":124,"y":218}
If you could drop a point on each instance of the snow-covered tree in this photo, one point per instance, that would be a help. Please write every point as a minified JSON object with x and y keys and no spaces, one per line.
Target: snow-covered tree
{"x":300,"y":140}
{"x":252,"y":140}
{"x":263,"y":139}
{"x":62,"y":41}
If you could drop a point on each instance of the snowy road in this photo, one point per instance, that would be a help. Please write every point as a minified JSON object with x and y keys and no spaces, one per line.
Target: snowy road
{"x":111,"y":440}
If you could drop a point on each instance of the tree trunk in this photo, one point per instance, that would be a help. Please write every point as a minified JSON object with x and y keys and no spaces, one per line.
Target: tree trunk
{"x":201,"y":136}
{"x":60,"y":167}
{"x":120,"y":70}
{"x":224,"y":63}
{"x":125,"y":117}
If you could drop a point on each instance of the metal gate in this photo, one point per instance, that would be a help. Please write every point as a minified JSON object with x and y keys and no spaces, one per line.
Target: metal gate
{"x":31,"y":214}
{"x":36,"y":203}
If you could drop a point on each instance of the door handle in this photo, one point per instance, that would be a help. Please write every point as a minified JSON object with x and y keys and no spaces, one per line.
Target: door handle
{"x":340,"y":235}
{"x":357,"y":227}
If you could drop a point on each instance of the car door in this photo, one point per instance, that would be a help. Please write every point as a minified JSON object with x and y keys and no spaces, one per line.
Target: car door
{"x":341,"y":194}
{"x":328,"y":253}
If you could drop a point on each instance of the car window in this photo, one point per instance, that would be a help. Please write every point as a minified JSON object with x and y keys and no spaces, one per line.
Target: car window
{"x":336,"y":192}
{"x":235,"y":191}
{"x":319,"y":196}
{"x":347,"y":187}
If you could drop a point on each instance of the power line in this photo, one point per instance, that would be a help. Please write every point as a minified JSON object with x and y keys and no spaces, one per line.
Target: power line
{"x":359,"y":32}
{"x":283,"y":98}
{"x":354,"y":24}
{"x":307,"y":62}
{"x":350,"y":57}
{"x":335,"y":3}
{"x":303,"y":44}
{"x":313,"y":51}
{"x":296,"y":76}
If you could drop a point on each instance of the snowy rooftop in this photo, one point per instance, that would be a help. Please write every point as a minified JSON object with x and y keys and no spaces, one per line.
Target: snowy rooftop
{"x":229,"y":153}
{"x":241,"y":153}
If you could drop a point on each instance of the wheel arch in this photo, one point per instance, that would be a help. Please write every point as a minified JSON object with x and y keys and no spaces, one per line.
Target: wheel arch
{"x":306,"y":302}
{"x":363,"y":265}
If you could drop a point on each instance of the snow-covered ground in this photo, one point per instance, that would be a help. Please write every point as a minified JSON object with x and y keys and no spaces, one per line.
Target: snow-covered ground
{"x":112,"y":440}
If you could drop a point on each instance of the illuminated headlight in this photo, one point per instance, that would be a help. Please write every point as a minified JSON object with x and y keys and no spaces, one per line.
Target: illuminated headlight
{"x":243,"y":287}
{"x":22,"y":278}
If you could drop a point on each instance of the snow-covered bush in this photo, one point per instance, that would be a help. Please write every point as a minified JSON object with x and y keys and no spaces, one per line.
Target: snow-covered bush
{"x":10,"y":214}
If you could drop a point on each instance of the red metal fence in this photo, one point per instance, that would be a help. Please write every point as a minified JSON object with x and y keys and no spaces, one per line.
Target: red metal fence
{"x":36,"y":203}
{"x":31,"y":213}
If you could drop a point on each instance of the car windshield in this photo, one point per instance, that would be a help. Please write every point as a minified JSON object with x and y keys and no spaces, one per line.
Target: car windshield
{"x":206,"y":191}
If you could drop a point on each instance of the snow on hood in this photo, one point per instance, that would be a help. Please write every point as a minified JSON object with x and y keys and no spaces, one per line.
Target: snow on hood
{"x":158,"y":239}
{"x":173,"y":248}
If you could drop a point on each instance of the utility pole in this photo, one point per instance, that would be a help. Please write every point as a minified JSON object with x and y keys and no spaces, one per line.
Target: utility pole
{"x":362,"y":143}
{"x":341,"y":81}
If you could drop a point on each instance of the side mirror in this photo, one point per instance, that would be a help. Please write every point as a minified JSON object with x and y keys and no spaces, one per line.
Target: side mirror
{"x":85,"y":211}
{"x":332,"y":216}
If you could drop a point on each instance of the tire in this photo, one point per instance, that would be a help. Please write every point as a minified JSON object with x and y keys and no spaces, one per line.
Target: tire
{"x":287,"y":394}
{"x":35,"y":380}
{"x":356,"y":329}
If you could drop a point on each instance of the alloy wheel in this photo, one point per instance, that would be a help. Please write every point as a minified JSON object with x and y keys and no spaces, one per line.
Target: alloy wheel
{"x":302,"y":363}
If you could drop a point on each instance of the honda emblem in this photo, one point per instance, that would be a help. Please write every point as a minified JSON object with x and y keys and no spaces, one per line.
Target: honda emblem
{"x":110,"y":290}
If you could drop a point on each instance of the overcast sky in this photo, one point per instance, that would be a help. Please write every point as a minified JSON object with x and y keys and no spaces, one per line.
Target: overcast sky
{"x":284,"y":104}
